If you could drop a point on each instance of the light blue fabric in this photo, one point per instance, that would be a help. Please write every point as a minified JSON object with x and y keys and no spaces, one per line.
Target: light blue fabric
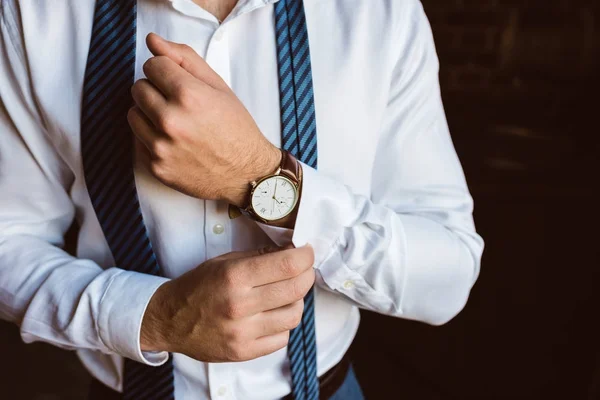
{"x":350,"y":389}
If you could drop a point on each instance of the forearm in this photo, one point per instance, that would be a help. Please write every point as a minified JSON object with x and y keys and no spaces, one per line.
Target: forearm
{"x":52,"y":296}
{"x":411,"y":261}
{"x":69,"y":302}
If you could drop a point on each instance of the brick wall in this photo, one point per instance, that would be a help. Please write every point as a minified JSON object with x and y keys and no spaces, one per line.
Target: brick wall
{"x":520,"y":79}
{"x":520,"y":86}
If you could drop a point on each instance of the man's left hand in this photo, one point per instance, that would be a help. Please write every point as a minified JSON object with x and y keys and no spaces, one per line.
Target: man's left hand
{"x":202,"y":140}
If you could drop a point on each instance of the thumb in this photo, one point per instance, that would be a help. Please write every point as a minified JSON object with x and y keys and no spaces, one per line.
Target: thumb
{"x":186,"y":58}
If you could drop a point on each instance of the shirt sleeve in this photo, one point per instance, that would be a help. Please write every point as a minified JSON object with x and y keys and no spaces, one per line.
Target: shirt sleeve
{"x":54,"y":297}
{"x":410,"y":249}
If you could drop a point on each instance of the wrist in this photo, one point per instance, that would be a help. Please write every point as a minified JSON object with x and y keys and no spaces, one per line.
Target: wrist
{"x":263,"y":166}
{"x":153,"y":335}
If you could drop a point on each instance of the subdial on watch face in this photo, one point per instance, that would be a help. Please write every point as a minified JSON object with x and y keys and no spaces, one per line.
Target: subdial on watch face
{"x":274,"y":198}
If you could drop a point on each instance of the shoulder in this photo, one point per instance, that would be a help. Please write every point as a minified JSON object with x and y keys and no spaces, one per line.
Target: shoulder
{"x":389,"y":12}
{"x":396,"y":20}
{"x":43,"y":30}
{"x":26,"y":19}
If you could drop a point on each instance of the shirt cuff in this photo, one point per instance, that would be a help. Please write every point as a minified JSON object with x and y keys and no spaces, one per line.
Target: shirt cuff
{"x":280,"y":236}
{"x":328,"y":211}
{"x":121,"y":313}
{"x":326,"y":208}
{"x":319,"y":221}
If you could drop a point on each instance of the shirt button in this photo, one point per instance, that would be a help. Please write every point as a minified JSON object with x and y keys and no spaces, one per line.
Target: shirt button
{"x":348,"y":285}
{"x":218,"y":229}
{"x":218,"y":36}
{"x":222,"y":391}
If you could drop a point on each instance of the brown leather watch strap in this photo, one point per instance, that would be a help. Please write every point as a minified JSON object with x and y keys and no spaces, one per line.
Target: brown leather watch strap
{"x":291,"y":168}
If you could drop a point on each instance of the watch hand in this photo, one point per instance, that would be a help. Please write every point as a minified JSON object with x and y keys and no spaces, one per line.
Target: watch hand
{"x":275,"y":190}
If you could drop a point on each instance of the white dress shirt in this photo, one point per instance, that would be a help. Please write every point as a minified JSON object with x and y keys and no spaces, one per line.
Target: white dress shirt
{"x":388,"y":211}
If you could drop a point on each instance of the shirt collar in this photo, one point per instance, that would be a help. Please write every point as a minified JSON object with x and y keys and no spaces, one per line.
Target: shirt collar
{"x":189,"y":8}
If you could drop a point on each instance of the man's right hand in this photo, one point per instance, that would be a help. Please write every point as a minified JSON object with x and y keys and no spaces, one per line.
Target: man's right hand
{"x":235,"y":307}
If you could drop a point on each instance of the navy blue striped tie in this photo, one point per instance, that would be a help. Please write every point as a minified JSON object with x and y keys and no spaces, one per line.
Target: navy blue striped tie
{"x":107,"y":152}
{"x":299,"y":137}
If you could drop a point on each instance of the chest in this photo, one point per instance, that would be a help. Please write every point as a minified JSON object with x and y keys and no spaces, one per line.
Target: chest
{"x":350,"y":79}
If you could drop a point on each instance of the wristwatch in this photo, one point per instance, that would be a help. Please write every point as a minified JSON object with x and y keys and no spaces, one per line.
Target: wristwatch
{"x":273,"y":200}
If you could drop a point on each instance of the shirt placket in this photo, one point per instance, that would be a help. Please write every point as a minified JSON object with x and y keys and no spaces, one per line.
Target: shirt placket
{"x":217,"y":228}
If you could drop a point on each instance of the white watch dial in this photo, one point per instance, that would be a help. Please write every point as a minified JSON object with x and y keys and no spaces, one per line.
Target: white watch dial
{"x":274,"y":198}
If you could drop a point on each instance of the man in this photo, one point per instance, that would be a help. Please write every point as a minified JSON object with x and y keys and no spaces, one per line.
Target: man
{"x":384,"y":223}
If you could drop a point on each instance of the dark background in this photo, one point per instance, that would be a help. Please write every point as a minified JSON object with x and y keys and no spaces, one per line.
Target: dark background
{"x":520,"y":84}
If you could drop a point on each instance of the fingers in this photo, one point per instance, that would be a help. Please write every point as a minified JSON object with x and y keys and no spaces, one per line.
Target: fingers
{"x":267,"y":332}
{"x":144,"y":130}
{"x":149,"y":99}
{"x":279,"y":320}
{"x":270,"y":344}
{"x":168,"y":77}
{"x":186,"y":58}
{"x":282,"y":293}
{"x":274,"y":267}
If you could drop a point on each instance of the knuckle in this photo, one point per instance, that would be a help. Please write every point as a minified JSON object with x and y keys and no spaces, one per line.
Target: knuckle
{"x":231,"y":276}
{"x":293,"y":319}
{"x":159,"y":170}
{"x":161,"y":149}
{"x":186,"y":49}
{"x":298,"y":289}
{"x":278,"y":292}
{"x":135,"y":89}
{"x":289,"y":266}
{"x":233,"y":310}
{"x":131,"y":115}
{"x":232,"y":353}
{"x":238,"y":352}
{"x":151,"y":64}
{"x":167,"y":122}
{"x":184,"y":94}
{"x":235,"y":334}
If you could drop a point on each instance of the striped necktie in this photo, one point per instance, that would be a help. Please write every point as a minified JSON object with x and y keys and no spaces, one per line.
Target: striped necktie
{"x":299,"y":137}
{"x":107,"y":155}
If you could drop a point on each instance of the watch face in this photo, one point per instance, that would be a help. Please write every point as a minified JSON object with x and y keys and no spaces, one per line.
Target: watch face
{"x":274,"y":198}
